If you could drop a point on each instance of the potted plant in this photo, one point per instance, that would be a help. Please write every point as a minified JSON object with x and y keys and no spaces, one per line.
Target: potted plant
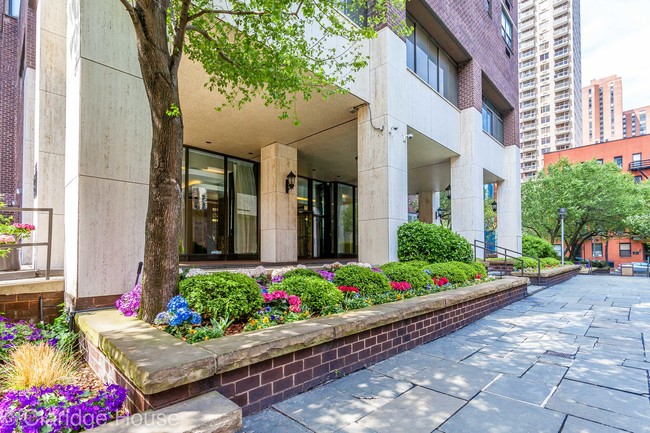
{"x":11,"y":234}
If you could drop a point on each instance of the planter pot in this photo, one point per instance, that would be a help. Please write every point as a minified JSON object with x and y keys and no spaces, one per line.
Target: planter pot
{"x":10,"y":262}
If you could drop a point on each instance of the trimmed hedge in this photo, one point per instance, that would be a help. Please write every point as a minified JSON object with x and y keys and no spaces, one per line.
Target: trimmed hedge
{"x":432,"y":243}
{"x":407,"y":271}
{"x":450,"y":271}
{"x":314,"y":292}
{"x":222,"y":294}
{"x":537,"y":247}
{"x":479,"y":268}
{"x":302,"y":272}
{"x":366,"y":280}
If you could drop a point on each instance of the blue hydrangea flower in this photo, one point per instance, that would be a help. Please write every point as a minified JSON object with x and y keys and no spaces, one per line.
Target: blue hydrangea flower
{"x":176,"y":303}
{"x":162,"y":318}
{"x":175,"y":320}
{"x":196,"y":318}
{"x":184,"y":313}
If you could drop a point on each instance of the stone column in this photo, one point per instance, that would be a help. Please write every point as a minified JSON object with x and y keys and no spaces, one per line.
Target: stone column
{"x":427,"y":207}
{"x":383,"y":187}
{"x":467,"y":181}
{"x":279,"y":209}
{"x":509,"y":202}
{"x":47,"y":162}
{"x":107,"y":151}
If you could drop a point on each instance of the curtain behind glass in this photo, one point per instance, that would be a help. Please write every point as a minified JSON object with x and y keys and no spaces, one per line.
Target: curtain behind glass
{"x":245,"y":230}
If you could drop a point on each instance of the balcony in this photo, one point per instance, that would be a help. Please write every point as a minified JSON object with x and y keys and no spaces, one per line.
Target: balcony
{"x":562,"y":118}
{"x":563,"y":96}
{"x":526,"y":44}
{"x":639,"y":165}
{"x":559,"y":10}
{"x":562,"y":140}
{"x":528,"y":24}
{"x":529,"y":146}
{"x":561,"y":85}
{"x":524,"y":66}
{"x":559,"y":3}
{"x":559,"y":53}
{"x":526,"y":14}
{"x":526,"y":96}
{"x":561,"y":31}
{"x":526,"y":54}
{"x":528,"y":126}
{"x":524,"y":75}
{"x":529,"y":156}
{"x":528,"y":115}
{"x":563,"y":129}
{"x":558,"y":43}
{"x":527,"y":84}
{"x":560,"y":21}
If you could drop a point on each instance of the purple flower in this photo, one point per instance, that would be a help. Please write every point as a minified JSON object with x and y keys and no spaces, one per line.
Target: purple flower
{"x":329,"y":276}
{"x":129,"y":303}
{"x":277,"y":279}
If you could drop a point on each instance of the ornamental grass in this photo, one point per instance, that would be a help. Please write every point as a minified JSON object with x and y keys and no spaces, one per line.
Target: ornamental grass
{"x":35,"y":365}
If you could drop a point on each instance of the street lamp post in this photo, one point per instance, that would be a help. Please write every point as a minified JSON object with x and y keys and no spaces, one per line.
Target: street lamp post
{"x":562,"y":213}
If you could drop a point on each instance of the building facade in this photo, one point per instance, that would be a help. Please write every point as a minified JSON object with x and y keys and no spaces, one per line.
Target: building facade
{"x":549,"y":80}
{"x":433,"y":110}
{"x":602,"y":110}
{"x":635,"y":122}
{"x":17,"y":65}
{"x":628,"y":154}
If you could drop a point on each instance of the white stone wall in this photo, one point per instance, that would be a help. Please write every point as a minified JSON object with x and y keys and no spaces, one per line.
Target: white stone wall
{"x":48,"y":149}
{"x":107,"y":151}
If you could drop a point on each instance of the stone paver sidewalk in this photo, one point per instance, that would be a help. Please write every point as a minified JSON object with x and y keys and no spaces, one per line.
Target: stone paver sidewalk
{"x":568,"y":359}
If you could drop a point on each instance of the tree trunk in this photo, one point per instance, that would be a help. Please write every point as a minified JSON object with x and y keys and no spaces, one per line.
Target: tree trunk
{"x":162,"y":230}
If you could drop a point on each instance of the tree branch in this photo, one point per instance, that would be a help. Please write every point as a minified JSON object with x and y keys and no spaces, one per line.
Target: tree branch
{"x":223,"y":12}
{"x":207,"y":36}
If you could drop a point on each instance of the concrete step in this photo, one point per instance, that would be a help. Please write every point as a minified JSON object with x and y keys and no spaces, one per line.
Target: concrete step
{"x":17,"y":275}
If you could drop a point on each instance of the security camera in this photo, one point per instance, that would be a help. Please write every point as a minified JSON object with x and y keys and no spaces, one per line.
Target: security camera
{"x":409,"y":136}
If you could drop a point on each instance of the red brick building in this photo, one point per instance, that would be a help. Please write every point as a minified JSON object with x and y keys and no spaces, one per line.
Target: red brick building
{"x":17,"y":55}
{"x":631,"y":154}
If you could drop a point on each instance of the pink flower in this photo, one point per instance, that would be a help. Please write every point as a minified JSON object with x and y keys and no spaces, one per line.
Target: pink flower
{"x":348,"y":289}
{"x":440,"y":281}
{"x":294,"y":300}
{"x":401,"y":286}
{"x":294,"y":308}
{"x":279,"y":294}
{"x":268,"y":297}
{"x":7,"y":239}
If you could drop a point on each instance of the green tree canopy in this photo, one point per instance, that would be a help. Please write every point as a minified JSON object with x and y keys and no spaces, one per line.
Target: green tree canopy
{"x":273,"y":51}
{"x":599,"y":199}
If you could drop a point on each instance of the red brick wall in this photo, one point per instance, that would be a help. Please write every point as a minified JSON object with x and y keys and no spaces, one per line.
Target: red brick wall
{"x":25,"y":306}
{"x":480,"y":35}
{"x":15,"y":34}
{"x":260,"y":385}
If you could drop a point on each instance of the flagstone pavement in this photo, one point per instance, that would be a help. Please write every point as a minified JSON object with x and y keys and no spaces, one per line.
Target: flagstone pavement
{"x":570,"y":359}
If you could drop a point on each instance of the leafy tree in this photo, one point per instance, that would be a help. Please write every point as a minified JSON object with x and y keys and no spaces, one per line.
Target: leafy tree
{"x":274,"y":51}
{"x":599,"y":198}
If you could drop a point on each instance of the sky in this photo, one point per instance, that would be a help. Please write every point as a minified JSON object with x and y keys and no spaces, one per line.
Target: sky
{"x":615,"y":41}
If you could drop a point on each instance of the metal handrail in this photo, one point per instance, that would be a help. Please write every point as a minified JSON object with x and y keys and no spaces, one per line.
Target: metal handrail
{"x":639,"y":165}
{"x":488,"y":247}
{"x":48,"y":244}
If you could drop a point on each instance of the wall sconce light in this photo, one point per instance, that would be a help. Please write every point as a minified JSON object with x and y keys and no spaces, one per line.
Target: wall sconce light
{"x":448,"y":191}
{"x":494,"y":205}
{"x":291,"y":181}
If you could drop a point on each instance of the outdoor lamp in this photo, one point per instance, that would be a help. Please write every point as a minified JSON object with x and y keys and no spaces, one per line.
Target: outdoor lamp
{"x":448,"y":191}
{"x":291,"y":181}
{"x":494,"y":205}
{"x":562,"y":212}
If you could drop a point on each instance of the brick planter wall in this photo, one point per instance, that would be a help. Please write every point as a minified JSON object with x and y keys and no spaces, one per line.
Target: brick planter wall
{"x":559,"y":278}
{"x":259,"y":385}
{"x":20,"y":300}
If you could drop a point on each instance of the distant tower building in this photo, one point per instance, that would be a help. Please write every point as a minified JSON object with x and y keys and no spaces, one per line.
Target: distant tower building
{"x":550,"y":88}
{"x":635,"y":122}
{"x":602,"y":110}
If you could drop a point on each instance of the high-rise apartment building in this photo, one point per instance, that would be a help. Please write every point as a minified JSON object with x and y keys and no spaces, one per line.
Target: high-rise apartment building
{"x":602,"y":110}
{"x":635,"y":122}
{"x":549,"y":80}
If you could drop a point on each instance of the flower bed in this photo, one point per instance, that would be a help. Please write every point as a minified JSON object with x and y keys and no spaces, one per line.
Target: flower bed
{"x":548,"y":277}
{"x":210,"y":303}
{"x":38,"y":382}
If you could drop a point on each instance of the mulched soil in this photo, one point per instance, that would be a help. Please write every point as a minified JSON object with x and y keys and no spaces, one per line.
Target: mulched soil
{"x":235,"y":328}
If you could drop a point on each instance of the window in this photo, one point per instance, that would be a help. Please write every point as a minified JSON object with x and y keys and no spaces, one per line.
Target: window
{"x":488,"y":7}
{"x":356,"y":11}
{"x":599,"y":161}
{"x":637,"y":179}
{"x":619,"y":161}
{"x":625,"y":249}
{"x":546,"y":140}
{"x":506,"y":28}
{"x":492,"y":121}
{"x":545,"y":109}
{"x":546,"y":119}
{"x":431,"y":63}
{"x":597,"y":250}
{"x":543,"y":57}
{"x":12,"y":8}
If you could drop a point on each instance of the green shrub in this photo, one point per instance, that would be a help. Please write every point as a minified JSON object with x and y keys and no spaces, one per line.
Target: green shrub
{"x":302,"y":272}
{"x":479,"y":268}
{"x":367,"y":281}
{"x":222,"y":294}
{"x":537,"y":247}
{"x":450,"y":271}
{"x":467,"y":269}
{"x":315,"y":293}
{"x":431,"y":243}
{"x":529,"y":263}
{"x":418,"y":263}
{"x":407,"y":271}
{"x":549,"y":262}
